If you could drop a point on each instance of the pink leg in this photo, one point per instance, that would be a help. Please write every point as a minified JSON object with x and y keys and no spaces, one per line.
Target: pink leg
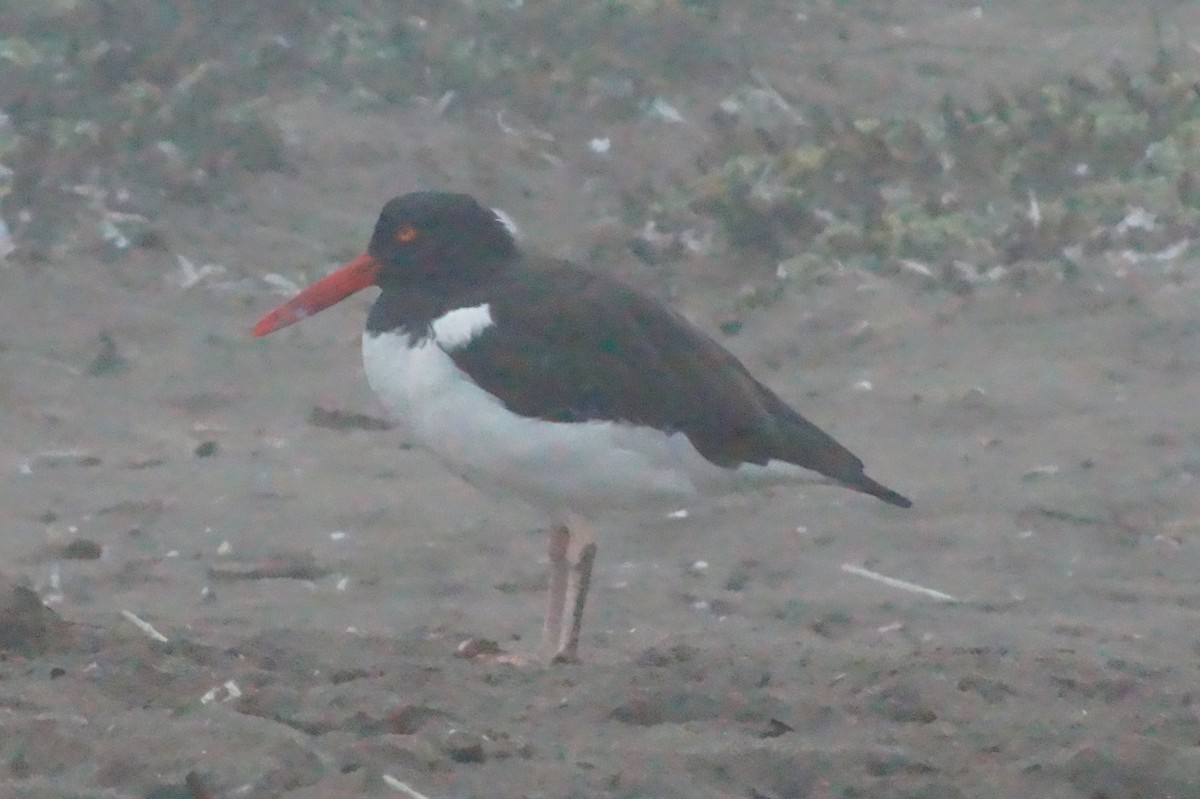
{"x":557,"y":544}
{"x":577,"y":590}
{"x":572,"y":552}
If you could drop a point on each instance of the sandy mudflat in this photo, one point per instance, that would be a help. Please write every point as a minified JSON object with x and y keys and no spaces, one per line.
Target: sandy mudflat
{"x":313,"y":576}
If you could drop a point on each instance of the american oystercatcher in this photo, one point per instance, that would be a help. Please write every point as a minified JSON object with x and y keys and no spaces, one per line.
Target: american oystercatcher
{"x":532,"y":377}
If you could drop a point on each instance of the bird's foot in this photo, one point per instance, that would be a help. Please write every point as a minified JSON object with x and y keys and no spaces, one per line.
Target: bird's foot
{"x":485,"y":650}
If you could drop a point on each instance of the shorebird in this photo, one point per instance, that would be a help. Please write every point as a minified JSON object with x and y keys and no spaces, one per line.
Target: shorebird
{"x":532,"y":377}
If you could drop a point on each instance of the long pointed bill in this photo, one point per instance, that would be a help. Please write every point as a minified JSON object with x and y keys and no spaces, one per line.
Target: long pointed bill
{"x":353,"y":277}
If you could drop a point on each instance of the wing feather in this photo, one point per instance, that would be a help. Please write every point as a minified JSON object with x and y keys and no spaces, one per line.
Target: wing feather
{"x":611,"y":353}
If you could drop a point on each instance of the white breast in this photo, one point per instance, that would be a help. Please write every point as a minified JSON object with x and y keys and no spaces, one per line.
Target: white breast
{"x":583,"y":467}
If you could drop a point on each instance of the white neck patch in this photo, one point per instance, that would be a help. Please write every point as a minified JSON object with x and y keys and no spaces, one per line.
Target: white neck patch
{"x":508,"y":223}
{"x":458,"y":328}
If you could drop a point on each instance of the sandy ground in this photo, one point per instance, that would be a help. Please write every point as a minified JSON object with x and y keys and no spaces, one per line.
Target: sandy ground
{"x":312,"y":582}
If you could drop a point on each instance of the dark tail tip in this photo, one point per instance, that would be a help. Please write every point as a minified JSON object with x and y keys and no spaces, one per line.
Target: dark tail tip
{"x":868,"y":486}
{"x":892,"y":498}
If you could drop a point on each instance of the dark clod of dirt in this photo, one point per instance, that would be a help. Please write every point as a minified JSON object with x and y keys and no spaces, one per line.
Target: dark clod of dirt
{"x":410,"y":718}
{"x":171,"y":792}
{"x":194,"y":787}
{"x":834,"y":625}
{"x":775,"y":728}
{"x":288,"y":565}
{"x":658,"y":658}
{"x":1142,"y":771}
{"x":668,"y":706}
{"x":82,"y":549}
{"x":475,"y":647}
{"x":206,"y":449}
{"x":27,"y":626}
{"x":464,"y":747}
{"x":346,"y":420}
{"x":902,"y":703}
{"x":109,"y":362}
{"x":992,"y":691}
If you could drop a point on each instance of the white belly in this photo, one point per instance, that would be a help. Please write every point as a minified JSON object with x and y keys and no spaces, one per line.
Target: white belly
{"x":558,"y":467}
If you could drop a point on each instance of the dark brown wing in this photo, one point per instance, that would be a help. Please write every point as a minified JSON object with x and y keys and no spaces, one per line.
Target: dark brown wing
{"x":568,"y":346}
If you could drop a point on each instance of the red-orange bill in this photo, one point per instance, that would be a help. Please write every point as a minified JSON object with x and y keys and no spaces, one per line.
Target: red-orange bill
{"x":353,"y":277}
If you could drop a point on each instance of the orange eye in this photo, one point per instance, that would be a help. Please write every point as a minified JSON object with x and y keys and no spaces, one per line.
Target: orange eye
{"x":406,"y":234}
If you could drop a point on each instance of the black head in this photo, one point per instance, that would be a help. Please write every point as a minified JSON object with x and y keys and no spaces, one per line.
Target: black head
{"x":434,"y":234}
{"x":428,"y":250}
